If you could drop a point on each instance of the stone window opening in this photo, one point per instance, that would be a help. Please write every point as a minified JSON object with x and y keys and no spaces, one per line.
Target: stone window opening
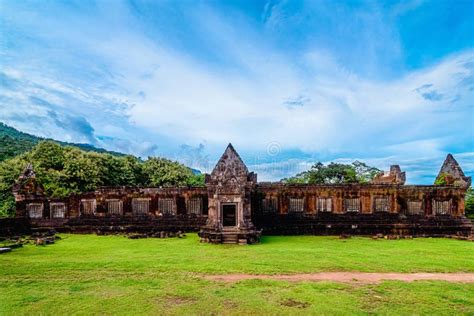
{"x":324,"y":205}
{"x":382,"y":204}
{"x":194,"y":206}
{"x":114,"y":207}
{"x":88,"y":206}
{"x":352,"y":205}
{"x":441,"y":207}
{"x":166,"y":206}
{"x":296,"y":205}
{"x":58,"y":210}
{"x":35,"y":210}
{"x":269,"y":205}
{"x":415,"y":208}
{"x":140,"y":206}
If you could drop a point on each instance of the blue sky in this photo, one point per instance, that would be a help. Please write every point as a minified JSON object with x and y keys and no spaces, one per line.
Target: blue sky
{"x":289,"y":83}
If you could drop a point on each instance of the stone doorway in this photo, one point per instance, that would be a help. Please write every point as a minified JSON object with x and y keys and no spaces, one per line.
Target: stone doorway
{"x":229,"y":188}
{"x":229,"y":215}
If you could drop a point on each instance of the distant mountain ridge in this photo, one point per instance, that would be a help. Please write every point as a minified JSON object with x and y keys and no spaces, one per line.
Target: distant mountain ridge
{"x":14,"y":142}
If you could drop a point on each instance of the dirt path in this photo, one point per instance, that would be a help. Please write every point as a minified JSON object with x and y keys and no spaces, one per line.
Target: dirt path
{"x":349,"y":277}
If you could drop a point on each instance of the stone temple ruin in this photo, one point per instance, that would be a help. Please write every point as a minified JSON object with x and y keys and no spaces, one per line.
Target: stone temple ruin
{"x":232,"y":207}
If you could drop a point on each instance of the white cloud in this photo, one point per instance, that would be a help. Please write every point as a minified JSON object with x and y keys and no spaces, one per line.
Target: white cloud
{"x":150,"y":87}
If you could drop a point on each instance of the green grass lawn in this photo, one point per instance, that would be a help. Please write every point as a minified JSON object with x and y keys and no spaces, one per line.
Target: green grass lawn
{"x":90,"y":274}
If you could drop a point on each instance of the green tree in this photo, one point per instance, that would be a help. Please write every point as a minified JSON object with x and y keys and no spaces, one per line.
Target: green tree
{"x":84,"y":171}
{"x":469,"y":202}
{"x":164,"y":172}
{"x":9,"y":172}
{"x":126,"y":171}
{"x":196,"y":180}
{"x":132,"y":171}
{"x":335,"y":173}
{"x":365,"y":173}
{"x":48,"y":155}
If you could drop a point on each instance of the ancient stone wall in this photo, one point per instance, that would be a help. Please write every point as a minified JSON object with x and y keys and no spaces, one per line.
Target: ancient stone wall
{"x":275,"y":207}
{"x":14,"y":226}
{"x":360,"y":198}
{"x":362,"y":224}
{"x":384,"y":206}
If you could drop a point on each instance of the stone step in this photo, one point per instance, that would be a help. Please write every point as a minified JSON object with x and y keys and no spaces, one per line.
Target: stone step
{"x":230,"y":239}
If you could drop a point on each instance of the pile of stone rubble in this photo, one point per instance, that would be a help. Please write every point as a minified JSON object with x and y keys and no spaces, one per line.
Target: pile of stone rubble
{"x":38,"y":239}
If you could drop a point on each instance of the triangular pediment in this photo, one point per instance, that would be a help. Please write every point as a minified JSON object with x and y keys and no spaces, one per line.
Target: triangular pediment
{"x":230,"y":166}
{"x":26,"y":183}
{"x":451,"y":173}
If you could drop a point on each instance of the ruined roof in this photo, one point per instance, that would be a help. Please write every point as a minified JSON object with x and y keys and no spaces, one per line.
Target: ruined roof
{"x":452,"y":174}
{"x":229,"y":165}
{"x":28,"y":172}
{"x":394,"y":176}
{"x":26,"y":182}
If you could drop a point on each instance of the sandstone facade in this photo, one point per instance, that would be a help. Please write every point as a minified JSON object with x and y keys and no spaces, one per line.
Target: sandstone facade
{"x":233,"y":207}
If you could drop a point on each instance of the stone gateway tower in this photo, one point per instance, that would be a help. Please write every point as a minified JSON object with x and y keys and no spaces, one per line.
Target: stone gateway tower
{"x":229,"y":189}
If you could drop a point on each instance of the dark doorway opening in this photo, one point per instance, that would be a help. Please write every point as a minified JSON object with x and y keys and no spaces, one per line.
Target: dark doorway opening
{"x":229,"y":215}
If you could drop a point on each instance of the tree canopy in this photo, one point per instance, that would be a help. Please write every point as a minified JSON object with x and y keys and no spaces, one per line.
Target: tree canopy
{"x":469,"y":206}
{"x":335,"y":173}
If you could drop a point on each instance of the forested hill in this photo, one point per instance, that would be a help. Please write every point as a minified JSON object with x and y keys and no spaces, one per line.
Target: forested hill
{"x":13,"y":142}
